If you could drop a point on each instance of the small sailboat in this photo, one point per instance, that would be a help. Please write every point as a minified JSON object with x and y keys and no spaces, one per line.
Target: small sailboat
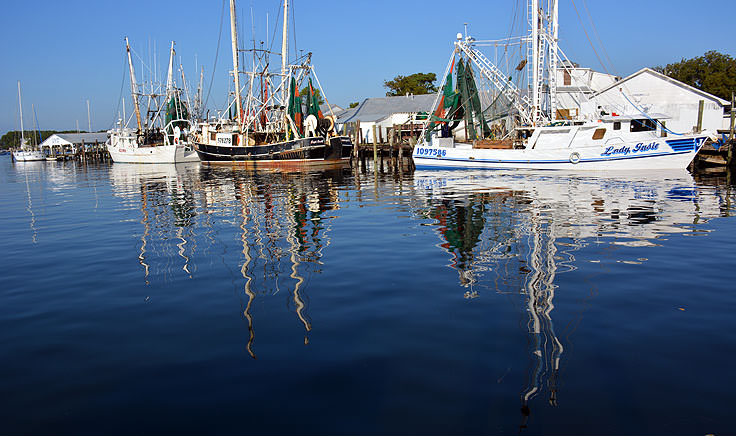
{"x":26,"y":152}
{"x":533,"y":133}
{"x":269,"y":127}
{"x":165,"y":139}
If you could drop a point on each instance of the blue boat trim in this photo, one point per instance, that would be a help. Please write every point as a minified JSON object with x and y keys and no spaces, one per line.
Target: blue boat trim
{"x":449,"y":159}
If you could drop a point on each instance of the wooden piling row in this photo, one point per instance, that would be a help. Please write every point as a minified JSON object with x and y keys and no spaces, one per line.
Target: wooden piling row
{"x":391,"y":153}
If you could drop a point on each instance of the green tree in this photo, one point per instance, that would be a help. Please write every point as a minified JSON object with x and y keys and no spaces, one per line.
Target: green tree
{"x":354,"y":104}
{"x":714,"y":73}
{"x":317,"y":95}
{"x":417,"y":84}
{"x":11,"y":139}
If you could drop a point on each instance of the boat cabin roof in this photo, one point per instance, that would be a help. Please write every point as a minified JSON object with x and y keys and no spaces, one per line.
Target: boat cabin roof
{"x":656,"y":116}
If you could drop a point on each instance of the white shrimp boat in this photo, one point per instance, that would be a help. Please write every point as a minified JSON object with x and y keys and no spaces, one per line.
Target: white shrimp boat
{"x":539,"y":137}
{"x":26,"y":153}
{"x":166,"y":139}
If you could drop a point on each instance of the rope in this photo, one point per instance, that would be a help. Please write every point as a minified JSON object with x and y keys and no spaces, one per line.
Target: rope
{"x":589,"y":40}
{"x":649,"y":118}
{"x":120,"y":97}
{"x":217,"y":52}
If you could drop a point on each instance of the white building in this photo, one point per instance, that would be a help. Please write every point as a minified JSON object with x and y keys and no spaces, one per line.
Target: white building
{"x":650,"y":92}
{"x":385,"y":112}
{"x":576,"y":86}
{"x":70,"y":143}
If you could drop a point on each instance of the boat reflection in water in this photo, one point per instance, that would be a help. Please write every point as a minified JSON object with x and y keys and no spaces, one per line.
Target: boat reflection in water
{"x":277,"y":223}
{"x":283,"y":227}
{"x":514,"y":232}
{"x":164,"y":193}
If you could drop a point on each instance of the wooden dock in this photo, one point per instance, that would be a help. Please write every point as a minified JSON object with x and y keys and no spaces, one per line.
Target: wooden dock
{"x":390,"y":155}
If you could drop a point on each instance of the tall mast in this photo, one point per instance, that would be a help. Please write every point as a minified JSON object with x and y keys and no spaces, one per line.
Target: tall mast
{"x":553,"y":60}
{"x":20,"y":105}
{"x":285,"y":51}
{"x":170,"y":74}
{"x":89,"y":120}
{"x":133,"y":85}
{"x":534,"y":52}
{"x":236,"y":68}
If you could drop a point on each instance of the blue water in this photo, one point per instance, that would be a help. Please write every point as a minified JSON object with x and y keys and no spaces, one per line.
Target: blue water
{"x":189,"y":300}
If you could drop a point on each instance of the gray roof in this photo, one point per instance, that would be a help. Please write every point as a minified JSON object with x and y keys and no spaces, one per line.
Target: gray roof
{"x":375,"y":109}
{"x":87,"y":138}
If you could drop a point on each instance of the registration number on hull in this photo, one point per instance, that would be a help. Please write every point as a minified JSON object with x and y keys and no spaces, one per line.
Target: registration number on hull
{"x":430,"y":152}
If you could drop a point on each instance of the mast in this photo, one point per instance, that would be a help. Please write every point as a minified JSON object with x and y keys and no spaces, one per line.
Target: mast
{"x":170,"y":74}
{"x":285,"y":53}
{"x":553,"y":48}
{"x":534,"y":52}
{"x":20,"y":105}
{"x":89,"y":120}
{"x":133,"y":85}
{"x":236,"y":68}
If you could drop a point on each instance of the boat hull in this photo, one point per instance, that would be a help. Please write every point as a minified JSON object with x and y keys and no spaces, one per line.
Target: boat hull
{"x":298,"y":152}
{"x":28,"y":156}
{"x":153,"y":155}
{"x":658,"y":154}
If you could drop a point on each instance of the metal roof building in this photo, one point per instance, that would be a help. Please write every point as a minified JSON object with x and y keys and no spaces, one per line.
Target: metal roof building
{"x":73,"y":141}
{"x":648,"y":91}
{"x":377,"y":109}
{"x":385,"y":112}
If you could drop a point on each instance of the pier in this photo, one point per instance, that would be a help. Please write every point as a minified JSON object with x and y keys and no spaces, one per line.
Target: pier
{"x":391,"y":153}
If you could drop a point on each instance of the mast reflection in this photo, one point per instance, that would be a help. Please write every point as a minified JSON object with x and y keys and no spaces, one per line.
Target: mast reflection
{"x":164,"y":195}
{"x":513,"y":233}
{"x":284,"y":226}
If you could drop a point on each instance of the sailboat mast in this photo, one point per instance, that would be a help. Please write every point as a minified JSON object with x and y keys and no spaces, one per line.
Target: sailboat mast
{"x":133,"y":85}
{"x":285,"y":52}
{"x":20,"y":106}
{"x":236,"y":68}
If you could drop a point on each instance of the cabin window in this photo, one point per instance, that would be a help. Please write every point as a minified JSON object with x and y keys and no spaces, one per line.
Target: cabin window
{"x":645,"y":125}
{"x":664,"y":129}
{"x":617,"y":125}
{"x":213,"y":136}
{"x":566,"y":79}
{"x":599,"y":133}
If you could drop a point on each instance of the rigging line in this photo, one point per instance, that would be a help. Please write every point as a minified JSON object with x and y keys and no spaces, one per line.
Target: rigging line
{"x":592,"y":24}
{"x":217,"y":52}
{"x":648,"y":117}
{"x":589,"y":40}
{"x":120,"y":97}
{"x":275,"y":26}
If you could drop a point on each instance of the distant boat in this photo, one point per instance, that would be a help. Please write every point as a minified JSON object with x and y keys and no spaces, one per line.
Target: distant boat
{"x":26,"y":153}
{"x":166,"y":139}
{"x":268,"y":128}
{"x":459,"y":134}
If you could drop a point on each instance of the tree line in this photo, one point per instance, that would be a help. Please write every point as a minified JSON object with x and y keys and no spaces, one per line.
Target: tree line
{"x":11,"y":139}
{"x":714,"y":73}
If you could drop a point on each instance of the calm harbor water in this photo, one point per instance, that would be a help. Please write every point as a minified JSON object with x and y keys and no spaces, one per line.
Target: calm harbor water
{"x":194,"y":300}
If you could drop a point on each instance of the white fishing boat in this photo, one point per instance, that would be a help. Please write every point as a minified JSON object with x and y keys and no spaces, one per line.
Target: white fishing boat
{"x":165,"y":139}
{"x":268,"y":127}
{"x":539,"y":137}
{"x":26,"y":153}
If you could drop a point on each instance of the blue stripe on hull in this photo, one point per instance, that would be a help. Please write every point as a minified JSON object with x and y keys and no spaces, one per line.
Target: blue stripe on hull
{"x":534,"y":162}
